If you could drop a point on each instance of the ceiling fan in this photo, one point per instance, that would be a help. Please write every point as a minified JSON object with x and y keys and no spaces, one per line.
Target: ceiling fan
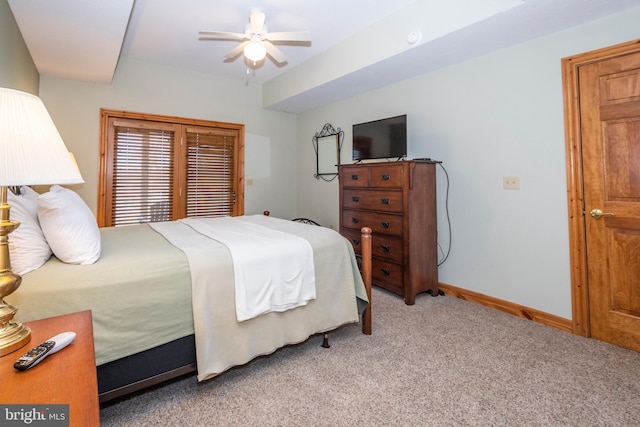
{"x":257,"y":41}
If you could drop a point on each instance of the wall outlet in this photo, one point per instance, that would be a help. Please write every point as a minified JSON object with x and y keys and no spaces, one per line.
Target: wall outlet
{"x":511,"y":182}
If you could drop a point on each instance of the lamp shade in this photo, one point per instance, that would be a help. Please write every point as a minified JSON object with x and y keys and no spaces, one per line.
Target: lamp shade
{"x":32,"y":151}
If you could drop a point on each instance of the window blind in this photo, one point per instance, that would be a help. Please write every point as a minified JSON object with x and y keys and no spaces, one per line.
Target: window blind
{"x":211,"y":174}
{"x":143,"y":171}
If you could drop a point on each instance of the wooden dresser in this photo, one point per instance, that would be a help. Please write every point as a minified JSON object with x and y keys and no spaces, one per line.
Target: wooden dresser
{"x":397,"y":200}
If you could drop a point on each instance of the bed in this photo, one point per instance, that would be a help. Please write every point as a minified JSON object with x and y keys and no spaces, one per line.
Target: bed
{"x":148,"y":316}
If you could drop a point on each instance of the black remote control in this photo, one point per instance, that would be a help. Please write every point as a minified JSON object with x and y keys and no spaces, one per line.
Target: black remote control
{"x":38,"y":353}
{"x":33,"y":356}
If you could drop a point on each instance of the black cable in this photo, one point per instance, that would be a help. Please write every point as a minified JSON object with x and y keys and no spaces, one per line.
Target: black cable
{"x":448,"y":218}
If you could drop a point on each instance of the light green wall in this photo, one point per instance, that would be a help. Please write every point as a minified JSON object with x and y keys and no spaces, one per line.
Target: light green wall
{"x":17,"y":70}
{"x":496,"y":115}
{"x":270,"y":152}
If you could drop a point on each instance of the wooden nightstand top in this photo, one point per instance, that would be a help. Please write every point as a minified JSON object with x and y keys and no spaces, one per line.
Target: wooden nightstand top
{"x":67,"y":377}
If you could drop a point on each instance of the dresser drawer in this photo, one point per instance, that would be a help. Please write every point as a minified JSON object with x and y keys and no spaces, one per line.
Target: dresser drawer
{"x":387,"y":176}
{"x":354,"y":176}
{"x":382,"y":223}
{"x":382,"y":246}
{"x":377,"y":200}
{"x":387,"y":275}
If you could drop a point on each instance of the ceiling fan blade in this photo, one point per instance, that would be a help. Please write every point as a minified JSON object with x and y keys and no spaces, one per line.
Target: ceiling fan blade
{"x":235,"y":52}
{"x":256,"y":19}
{"x":222,"y":34}
{"x":293,"y":36}
{"x":275,"y":53}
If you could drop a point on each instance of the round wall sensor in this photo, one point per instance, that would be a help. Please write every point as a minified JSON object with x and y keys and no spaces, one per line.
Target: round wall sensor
{"x":414,"y":37}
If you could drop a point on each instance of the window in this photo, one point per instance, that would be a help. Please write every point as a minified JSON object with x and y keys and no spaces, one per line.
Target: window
{"x":156,"y":168}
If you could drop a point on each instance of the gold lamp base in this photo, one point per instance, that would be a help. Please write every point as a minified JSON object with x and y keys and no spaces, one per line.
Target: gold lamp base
{"x":13,"y":335}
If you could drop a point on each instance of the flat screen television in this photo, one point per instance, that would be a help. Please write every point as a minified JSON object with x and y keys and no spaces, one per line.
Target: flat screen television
{"x":379,"y":139}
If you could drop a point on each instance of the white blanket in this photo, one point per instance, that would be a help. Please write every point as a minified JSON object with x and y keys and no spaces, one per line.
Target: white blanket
{"x":273,"y":270}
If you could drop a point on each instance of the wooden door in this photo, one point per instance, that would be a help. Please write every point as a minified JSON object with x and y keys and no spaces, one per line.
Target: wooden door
{"x":609,"y":117}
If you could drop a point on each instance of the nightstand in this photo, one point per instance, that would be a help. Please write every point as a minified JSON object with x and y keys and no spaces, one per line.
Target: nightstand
{"x":67,"y":377}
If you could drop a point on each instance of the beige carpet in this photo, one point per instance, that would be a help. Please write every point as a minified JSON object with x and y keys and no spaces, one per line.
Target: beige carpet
{"x":441,"y":362}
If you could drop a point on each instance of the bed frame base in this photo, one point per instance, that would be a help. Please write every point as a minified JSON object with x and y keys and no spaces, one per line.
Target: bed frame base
{"x":325,"y":341}
{"x":123,"y":377}
{"x":129,"y":389}
{"x":148,"y":368}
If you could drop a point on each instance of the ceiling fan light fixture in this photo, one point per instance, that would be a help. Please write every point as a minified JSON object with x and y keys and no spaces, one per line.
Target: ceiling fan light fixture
{"x":255,"y":51}
{"x":257,"y":43}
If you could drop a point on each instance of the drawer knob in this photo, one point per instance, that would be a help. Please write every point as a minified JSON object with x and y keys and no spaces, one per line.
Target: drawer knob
{"x":385,"y":248}
{"x":355,"y":220}
{"x":356,"y":241}
{"x":385,"y":271}
{"x":385,"y":224}
{"x":354,"y":177}
{"x":355,"y":199}
{"x":386,"y":177}
{"x":384,"y":201}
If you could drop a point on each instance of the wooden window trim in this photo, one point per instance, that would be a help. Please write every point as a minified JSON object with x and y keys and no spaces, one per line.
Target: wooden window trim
{"x":121,"y":117}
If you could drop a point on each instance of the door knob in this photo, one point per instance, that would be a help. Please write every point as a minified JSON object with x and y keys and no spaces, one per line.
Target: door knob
{"x":597,"y":213}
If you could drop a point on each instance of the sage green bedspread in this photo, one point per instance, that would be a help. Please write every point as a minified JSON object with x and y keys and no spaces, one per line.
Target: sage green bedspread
{"x":140,"y":294}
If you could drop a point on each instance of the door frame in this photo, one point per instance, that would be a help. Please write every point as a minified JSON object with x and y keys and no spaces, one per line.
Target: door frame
{"x":575,"y":184}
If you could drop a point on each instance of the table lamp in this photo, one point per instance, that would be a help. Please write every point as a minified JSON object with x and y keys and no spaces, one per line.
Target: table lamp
{"x":31,"y":153}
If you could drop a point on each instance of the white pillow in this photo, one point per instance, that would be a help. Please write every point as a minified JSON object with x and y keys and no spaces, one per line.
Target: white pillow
{"x":30,"y":194}
{"x":28,"y":248}
{"x":69,"y":226}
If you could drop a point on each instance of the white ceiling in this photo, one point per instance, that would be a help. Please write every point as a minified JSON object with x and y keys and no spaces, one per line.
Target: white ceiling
{"x":84,"y":39}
